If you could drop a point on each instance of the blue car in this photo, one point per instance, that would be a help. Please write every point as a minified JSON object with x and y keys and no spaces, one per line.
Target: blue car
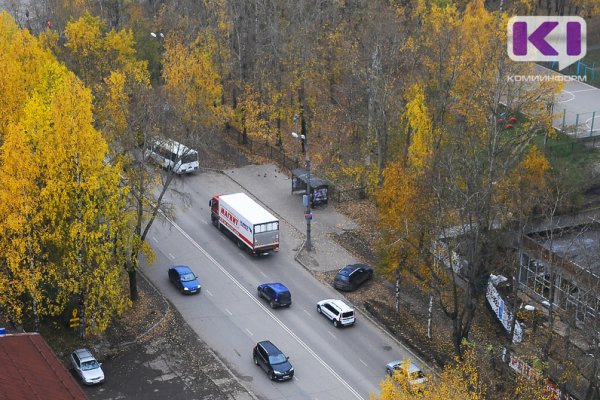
{"x":184,"y":279}
{"x":276,"y":294}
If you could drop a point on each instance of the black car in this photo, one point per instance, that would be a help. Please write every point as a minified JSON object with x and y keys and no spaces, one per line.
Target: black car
{"x":352,"y":276}
{"x":276,"y":294}
{"x":267,"y":356}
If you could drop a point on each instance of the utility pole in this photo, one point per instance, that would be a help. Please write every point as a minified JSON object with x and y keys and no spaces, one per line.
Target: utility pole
{"x":308,"y":212}
{"x":295,"y":135}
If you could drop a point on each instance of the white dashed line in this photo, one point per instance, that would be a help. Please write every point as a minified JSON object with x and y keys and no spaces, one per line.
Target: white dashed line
{"x":228,"y":312}
{"x":263,"y":274}
{"x":269,"y":313}
{"x":332,"y":335}
{"x":209,"y":292}
{"x":172,"y":256}
{"x":155,"y":239}
{"x":364,"y":363}
{"x":307,"y":313}
{"x":249,"y":333}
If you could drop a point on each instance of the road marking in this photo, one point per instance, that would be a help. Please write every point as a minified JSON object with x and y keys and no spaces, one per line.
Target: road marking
{"x":209,"y":292}
{"x":252,"y":334}
{"x":172,"y":256}
{"x":228,"y":312}
{"x":307,"y":313}
{"x":364,"y":363}
{"x":295,"y":378}
{"x":332,"y":335}
{"x":269,"y":313}
{"x":155,"y":239}
{"x":583,"y":90}
{"x":263,"y":274}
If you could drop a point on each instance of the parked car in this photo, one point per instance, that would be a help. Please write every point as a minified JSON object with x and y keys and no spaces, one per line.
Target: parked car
{"x":184,"y":279}
{"x":352,"y":276}
{"x":87,"y":367}
{"x":337,"y":311}
{"x":405,"y":369}
{"x":272,"y":360}
{"x":276,"y":294}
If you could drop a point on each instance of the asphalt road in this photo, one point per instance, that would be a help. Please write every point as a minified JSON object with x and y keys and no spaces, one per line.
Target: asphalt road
{"x":329,"y":363}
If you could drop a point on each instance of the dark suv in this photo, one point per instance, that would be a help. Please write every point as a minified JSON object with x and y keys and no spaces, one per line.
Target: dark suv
{"x":352,"y":276}
{"x":276,"y":294}
{"x":267,"y":356}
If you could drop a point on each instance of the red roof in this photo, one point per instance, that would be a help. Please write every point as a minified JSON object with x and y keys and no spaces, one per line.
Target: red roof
{"x":29,"y":369}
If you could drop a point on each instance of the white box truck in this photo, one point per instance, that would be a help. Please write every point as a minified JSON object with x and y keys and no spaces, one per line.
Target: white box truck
{"x":251,"y":226}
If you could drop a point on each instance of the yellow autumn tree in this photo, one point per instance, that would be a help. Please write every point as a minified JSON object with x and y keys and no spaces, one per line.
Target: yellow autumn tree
{"x":63,"y":228}
{"x":405,"y":201}
{"x":16,"y":46}
{"x":192,"y":80}
{"x":459,"y":380}
{"x":458,"y":150}
{"x":106,"y":62}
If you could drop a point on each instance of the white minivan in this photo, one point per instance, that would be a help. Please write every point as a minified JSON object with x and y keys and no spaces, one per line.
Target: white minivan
{"x":337,"y":311}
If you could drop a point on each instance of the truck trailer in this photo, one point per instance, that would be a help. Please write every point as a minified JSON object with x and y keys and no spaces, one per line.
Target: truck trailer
{"x":248,"y":224}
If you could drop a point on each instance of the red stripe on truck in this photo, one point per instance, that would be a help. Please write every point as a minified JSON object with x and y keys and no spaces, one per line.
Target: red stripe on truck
{"x":235,"y":231}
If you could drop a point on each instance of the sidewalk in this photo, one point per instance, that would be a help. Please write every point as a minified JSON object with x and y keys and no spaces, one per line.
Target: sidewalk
{"x":272,"y":187}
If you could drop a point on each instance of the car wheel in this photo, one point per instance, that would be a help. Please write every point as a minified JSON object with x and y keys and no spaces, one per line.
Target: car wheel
{"x":336,"y":323}
{"x":181,"y":290}
{"x":255,"y":360}
{"x":319,"y":309}
{"x":272,"y":375}
{"x":272,"y":304}
{"x":240,"y":244}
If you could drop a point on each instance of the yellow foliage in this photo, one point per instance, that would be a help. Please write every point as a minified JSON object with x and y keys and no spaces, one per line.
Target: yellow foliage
{"x":460,"y":380}
{"x":419,"y":125}
{"x":63,"y":224}
{"x":256,"y":115}
{"x":192,"y":77}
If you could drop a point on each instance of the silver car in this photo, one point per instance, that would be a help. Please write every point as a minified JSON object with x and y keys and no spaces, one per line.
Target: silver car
{"x":407,"y":370}
{"x":87,"y":367}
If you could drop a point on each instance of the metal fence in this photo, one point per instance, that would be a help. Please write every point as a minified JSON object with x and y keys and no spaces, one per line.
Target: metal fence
{"x":580,"y":125}
{"x":581,"y":146}
{"x":263,"y":148}
{"x":278,"y":155}
{"x":590,"y":71}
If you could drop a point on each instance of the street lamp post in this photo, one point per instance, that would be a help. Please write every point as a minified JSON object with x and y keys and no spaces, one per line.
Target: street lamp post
{"x":308,"y":213}
{"x":295,"y":135}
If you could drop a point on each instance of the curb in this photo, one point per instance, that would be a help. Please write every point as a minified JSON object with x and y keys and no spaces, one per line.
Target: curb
{"x":210,"y":350}
{"x":362,"y":311}
{"x":365,"y":314}
{"x":149,"y":330}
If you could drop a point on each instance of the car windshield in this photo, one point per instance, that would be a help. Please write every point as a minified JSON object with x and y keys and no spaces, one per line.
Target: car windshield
{"x":189,"y":158}
{"x":348,"y":314}
{"x":277,"y":359}
{"x":187,"y":277}
{"x":88,"y":365}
